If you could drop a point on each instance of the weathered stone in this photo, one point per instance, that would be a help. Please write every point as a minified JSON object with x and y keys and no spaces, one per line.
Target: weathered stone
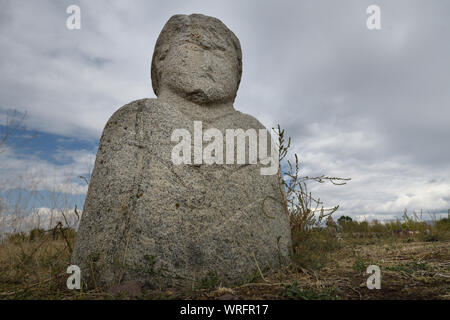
{"x":146,"y":219}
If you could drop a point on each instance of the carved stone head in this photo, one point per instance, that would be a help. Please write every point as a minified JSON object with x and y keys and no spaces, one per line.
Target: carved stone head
{"x":198,"y":58}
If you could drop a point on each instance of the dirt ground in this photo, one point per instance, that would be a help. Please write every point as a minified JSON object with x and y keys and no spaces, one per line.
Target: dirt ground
{"x":409,"y":270}
{"x":417,"y":270}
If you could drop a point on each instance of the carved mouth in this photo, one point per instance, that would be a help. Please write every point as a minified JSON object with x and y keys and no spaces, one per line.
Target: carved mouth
{"x":197,"y":95}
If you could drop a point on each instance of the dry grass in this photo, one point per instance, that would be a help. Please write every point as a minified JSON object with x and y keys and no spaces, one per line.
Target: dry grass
{"x":322,"y":268}
{"x":36,"y":269}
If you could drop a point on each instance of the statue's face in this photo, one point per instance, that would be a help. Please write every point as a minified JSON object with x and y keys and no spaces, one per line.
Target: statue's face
{"x":202,"y":74}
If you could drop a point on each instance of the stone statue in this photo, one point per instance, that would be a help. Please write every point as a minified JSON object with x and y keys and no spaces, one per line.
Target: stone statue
{"x":147,"y":219}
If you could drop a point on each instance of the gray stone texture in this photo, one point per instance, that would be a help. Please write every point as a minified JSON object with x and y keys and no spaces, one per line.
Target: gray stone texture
{"x":148,"y":220}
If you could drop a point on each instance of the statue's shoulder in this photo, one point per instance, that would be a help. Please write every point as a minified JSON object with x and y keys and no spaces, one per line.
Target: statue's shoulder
{"x":149,"y":106}
{"x":126,"y":119}
{"x":130,"y":109}
{"x":245,"y":121}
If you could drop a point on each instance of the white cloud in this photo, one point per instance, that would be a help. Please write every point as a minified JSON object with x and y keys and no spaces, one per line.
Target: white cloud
{"x":30,"y":172}
{"x":379,"y":187}
{"x":42,"y":218}
{"x":372,"y":106}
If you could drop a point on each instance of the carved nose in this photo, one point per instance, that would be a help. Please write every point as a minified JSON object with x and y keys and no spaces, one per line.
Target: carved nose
{"x":208,"y":72}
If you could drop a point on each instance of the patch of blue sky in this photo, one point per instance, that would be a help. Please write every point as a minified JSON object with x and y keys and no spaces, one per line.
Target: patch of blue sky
{"x":26,"y":201}
{"x":47,"y":146}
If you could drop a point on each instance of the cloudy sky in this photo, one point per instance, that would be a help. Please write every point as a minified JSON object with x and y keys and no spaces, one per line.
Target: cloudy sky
{"x":373,"y":106}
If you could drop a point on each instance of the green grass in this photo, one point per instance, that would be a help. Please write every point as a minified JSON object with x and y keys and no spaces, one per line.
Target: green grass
{"x":408,"y":267}
{"x":294,"y":292}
